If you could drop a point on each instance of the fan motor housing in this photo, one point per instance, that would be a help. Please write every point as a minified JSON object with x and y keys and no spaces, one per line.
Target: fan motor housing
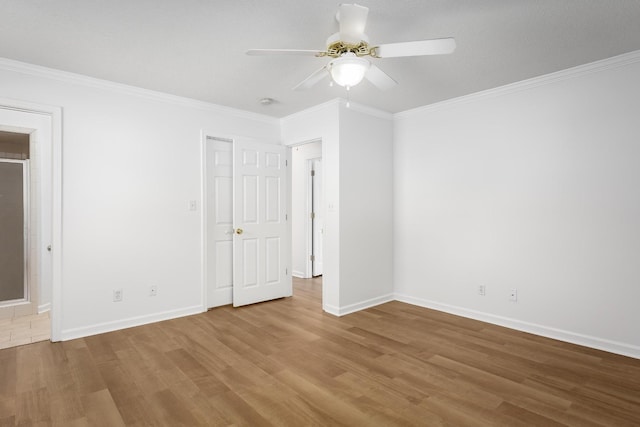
{"x":337,"y":49}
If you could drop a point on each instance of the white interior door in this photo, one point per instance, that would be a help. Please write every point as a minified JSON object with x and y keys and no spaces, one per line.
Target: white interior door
{"x":219,"y":199}
{"x":261,"y":240}
{"x":317,"y":217}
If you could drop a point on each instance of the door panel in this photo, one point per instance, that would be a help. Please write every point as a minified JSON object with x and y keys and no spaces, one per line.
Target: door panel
{"x":260,"y":249}
{"x":224,"y":262}
{"x":249,"y":261}
{"x":273,"y":199}
{"x":272,"y":261}
{"x":250,"y":199}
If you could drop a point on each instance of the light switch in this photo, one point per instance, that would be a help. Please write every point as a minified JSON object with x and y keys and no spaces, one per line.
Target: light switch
{"x":193,"y":205}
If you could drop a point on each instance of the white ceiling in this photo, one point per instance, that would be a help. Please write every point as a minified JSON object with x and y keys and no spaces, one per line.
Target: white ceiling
{"x":195,"y":48}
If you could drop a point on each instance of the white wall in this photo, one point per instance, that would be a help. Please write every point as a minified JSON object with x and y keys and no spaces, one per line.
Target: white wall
{"x":300,"y":182}
{"x":366,"y":208}
{"x":357,"y":167}
{"x":533,"y":187}
{"x":131,"y":164}
{"x":322,"y":123}
{"x":530,"y":186}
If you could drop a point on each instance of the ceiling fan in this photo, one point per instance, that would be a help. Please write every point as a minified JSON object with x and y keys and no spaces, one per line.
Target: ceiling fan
{"x":351,"y":44}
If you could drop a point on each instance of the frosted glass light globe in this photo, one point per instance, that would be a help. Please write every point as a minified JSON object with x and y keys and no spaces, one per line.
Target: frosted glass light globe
{"x":348,"y":70}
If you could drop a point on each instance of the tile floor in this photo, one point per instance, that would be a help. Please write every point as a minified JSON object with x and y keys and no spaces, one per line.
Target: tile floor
{"x":24,"y":330}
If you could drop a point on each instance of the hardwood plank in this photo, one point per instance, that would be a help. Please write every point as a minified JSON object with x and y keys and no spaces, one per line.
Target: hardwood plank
{"x":32,"y":407}
{"x":101,"y":409}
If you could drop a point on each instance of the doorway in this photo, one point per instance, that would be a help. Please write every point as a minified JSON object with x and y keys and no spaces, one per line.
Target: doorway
{"x":21,"y":319}
{"x":245,"y":221}
{"x":39,"y":140}
{"x":307,"y":209}
{"x":316,"y":216}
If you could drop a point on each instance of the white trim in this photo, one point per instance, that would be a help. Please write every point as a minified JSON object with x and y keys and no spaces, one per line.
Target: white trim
{"x":547,"y":79}
{"x":358,"y":306}
{"x":203,"y":220}
{"x":298,"y":144}
{"x":331,"y":309}
{"x":44,"y":308}
{"x":101,"y":328}
{"x":361,"y":108}
{"x":56,"y":227}
{"x":308,"y":222}
{"x":27,"y":229}
{"x":532,"y":328}
{"x":79,"y":79}
{"x":298,"y":274}
{"x":310,"y":110}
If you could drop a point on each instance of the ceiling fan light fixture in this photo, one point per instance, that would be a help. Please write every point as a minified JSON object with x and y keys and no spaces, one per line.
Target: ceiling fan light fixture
{"x":348,"y":70}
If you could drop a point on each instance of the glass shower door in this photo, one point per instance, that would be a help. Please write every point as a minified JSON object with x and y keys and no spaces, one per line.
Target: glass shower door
{"x":13,"y":231}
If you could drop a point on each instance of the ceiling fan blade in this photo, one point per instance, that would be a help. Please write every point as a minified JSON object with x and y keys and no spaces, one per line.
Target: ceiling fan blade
{"x":416,"y":48}
{"x":284,"y":52}
{"x":353,"y":20}
{"x":379,"y":78}
{"x":313,"y":79}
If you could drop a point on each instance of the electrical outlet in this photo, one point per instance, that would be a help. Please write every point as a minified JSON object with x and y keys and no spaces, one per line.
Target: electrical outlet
{"x":153,"y":290}
{"x":481,"y":290}
{"x":117,"y":295}
{"x":513,"y":294}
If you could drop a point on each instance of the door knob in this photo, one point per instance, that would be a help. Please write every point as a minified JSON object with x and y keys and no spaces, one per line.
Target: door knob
{"x":239,"y":231}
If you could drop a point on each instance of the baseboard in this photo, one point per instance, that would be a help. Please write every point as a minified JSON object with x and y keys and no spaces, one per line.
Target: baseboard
{"x":101,"y":328}
{"x":545,"y":331}
{"x":331,"y":309}
{"x":298,"y":274}
{"x":42,"y":308}
{"x":362,"y":305}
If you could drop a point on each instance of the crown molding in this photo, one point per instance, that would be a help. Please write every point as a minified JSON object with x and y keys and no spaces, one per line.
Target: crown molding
{"x":82,"y":80}
{"x":340,"y":102}
{"x":361,"y":108}
{"x":547,"y":79}
{"x":311,"y":110}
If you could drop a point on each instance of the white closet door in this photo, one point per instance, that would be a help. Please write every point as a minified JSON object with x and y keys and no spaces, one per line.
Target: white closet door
{"x":261,"y":247}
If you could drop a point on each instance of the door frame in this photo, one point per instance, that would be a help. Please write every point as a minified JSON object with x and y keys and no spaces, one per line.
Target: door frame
{"x":50,"y":136}
{"x":315,"y":209}
{"x":307,"y":273}
{"x":309,"y":244}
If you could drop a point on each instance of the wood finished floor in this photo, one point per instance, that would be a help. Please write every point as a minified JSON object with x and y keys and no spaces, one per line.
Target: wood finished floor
{"x":286,"y":363}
